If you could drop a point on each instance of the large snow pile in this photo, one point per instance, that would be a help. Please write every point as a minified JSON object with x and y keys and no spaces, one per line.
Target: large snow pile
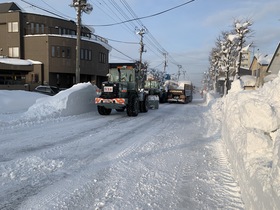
{"x":251,"y":129}
{"x":75,"y":100}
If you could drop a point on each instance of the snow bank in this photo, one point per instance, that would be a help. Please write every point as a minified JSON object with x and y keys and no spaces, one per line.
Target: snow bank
{"x":24,"y":105}
{"x":10,"y":100}
{"x":76,"y":100}
{"x":251,"y":130}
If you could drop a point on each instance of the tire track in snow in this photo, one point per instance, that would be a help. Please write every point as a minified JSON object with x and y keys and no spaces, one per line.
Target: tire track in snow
{"x":217,"y":170}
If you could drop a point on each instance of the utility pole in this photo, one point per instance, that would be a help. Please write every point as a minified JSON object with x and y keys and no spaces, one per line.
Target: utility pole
{"x":179,"y":71}
{"x":165,"y":63}
{"x":80,"y":6}
{"x":141,"y":32}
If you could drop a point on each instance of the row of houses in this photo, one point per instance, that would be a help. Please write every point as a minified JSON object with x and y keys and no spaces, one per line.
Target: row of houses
{"x":256,"y":71}
{"x":37,"y":49}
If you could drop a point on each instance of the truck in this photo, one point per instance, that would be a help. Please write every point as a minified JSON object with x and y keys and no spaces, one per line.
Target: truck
{"x":154,"y":87}
{"x":180,"y":93}
{"x":123,"y":91}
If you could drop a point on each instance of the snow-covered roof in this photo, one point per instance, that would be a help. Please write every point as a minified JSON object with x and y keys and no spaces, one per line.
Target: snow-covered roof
{"x":263,"y":59}
{"x":16,"y":61}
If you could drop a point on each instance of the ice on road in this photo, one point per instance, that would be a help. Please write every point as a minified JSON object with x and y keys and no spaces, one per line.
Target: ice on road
{"x":170,"y":158}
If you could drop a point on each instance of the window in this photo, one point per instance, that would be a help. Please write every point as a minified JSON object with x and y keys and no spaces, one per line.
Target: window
{"x":58,"y":51}
{"x":82,"y":54}
{"x":89,"y":55}
{"x":14,"y":52}
{"x":68,"y":53}
{"x":32,"y":28}
{"x":63,"y":52}
{"x":13,"y":27}
{"x":102,"y":57}
{"x":53,"y":51}
{"x":86,"y":54}
{"x":43,"y":28}
{"x":37,"y":28}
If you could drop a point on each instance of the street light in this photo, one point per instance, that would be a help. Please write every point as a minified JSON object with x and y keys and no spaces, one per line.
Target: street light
{"x":80,"y":6}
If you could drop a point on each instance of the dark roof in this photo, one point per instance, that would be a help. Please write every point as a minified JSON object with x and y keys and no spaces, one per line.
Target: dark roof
{"x":6,"y":7}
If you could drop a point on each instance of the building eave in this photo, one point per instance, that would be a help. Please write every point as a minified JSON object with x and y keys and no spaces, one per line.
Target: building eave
{"x":97,"y":40}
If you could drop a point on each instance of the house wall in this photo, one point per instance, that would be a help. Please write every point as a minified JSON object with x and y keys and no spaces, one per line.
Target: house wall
{"x":259,"y":71}
{"x":274,"y":67}
{"x":63,"y":63}
{"x":9,"y":39}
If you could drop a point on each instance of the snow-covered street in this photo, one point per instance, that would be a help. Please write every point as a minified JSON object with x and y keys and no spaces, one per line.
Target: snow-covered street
{"x":170,"y":158}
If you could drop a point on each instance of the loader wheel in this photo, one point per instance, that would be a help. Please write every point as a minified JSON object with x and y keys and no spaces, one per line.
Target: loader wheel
{"x":133,"y":106}
{"x":163,"y":98}
{"x":103,"y":111}
{"x":144,"y":105}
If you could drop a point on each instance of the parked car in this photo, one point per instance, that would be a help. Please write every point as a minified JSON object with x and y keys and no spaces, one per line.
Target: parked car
{"x":45,"y":89}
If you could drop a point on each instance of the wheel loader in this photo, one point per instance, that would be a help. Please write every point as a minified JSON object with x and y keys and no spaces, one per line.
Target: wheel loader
{"x":123,"y":91}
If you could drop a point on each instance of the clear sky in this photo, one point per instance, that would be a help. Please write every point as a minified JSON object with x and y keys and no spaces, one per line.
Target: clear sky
{"x":187,"y":33}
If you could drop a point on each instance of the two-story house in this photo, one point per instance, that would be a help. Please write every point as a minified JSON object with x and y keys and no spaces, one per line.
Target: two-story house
{"x":259,"y":66}
{"x":38,"y":49}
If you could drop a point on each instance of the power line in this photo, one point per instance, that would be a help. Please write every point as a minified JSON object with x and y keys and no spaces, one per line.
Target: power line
{"x":123,"y":54}
{"x":148,"y":16}
{"x":55,"y":9}
{"x":121,"y":14}
{"x":113,"y":40}
{"x":45,"y":10}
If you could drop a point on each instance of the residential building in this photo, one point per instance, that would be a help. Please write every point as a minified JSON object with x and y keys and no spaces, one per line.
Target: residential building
{"x":37,"y":49}
{"x":259,"y":66}
{"x":274,"y":66}
{"x":245,"y":59}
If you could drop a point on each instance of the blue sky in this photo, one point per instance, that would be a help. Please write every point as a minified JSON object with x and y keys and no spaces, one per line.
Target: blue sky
{"x":187,"y":33}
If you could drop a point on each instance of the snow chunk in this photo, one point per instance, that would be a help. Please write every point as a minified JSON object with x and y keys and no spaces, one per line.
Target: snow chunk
{"x":248,"y":80}
{"x":259,"y":115}
{"x":236,"y":86}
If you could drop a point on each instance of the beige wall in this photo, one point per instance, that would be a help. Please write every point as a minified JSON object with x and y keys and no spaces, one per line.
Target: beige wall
{"x":9,"y":39}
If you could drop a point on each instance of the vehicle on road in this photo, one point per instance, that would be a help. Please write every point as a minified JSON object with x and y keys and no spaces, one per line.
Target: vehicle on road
{"x":123,"y":90}
{"x":181,"y":94}
{"x":153,"y":88}
{"x":46,"y":89}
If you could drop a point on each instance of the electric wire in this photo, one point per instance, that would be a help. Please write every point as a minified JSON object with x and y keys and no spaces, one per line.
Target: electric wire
{"x":125,"y":19}
{"x":55,"y":9}
{"x":148,"y":16}
{"x":45,"y":10}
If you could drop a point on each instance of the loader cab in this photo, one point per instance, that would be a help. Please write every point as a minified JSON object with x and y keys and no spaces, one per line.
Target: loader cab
{"x":124,"y":75}
{"x":121,"y":75}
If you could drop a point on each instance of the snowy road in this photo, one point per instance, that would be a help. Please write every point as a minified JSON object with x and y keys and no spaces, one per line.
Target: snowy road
{"x":170,"y":158}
